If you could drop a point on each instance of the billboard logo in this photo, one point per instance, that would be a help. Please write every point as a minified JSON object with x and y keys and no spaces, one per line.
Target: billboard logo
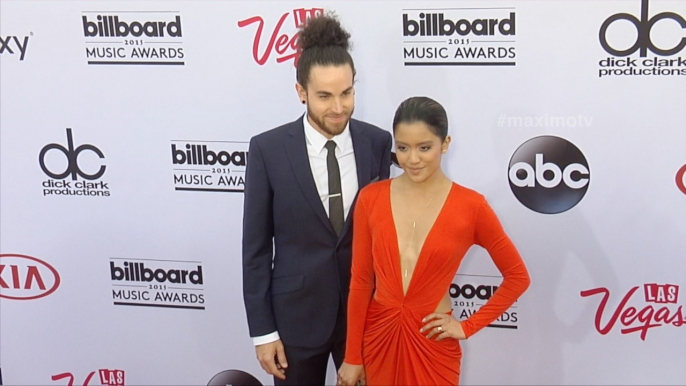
{"x":459,"y":36}
{"x":209,"y":166}
{"x":469,"y":293}
{"x":149,"y":38}
{"x":157,"y":283}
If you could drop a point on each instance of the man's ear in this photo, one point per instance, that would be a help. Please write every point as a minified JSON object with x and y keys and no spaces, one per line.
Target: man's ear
{"x":302,"y":93}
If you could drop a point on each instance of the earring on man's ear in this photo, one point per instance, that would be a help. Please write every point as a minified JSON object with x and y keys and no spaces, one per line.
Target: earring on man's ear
{"x":303,"y":102}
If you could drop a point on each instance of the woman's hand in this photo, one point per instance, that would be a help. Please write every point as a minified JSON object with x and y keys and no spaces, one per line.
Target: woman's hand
{"x":349,"y":375}
{"x":443,"y":325}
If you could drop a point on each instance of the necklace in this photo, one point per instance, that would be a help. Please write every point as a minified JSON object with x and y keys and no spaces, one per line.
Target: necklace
{"x":414,"y":222}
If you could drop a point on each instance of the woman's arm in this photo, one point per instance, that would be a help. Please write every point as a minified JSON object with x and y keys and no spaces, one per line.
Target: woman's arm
{"x":489,"y":234}
{"x":361,"y":281}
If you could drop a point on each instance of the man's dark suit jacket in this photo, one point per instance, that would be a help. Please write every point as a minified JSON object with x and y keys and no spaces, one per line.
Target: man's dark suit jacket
{"x":296,"y":285}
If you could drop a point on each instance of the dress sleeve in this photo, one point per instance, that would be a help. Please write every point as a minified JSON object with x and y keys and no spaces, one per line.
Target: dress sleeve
{"x":489,"y":234}
{"x":361,"y":282}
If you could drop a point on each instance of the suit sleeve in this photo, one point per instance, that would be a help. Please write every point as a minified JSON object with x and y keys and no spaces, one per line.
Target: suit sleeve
{"x":361,"y":283}
{"x":490,"y":235}
{"x":385,"y":171}
{"x":258,"y":233}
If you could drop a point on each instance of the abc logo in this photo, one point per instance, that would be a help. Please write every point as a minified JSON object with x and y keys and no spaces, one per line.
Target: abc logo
{"x":643,"y":40}
{"x":548,"y":174}
{"x":72,"y":160}
{"x":234,"y":377}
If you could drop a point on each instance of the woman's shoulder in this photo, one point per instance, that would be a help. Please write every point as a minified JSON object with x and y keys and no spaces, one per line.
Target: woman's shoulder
{"x":374,"y":189}
{"x":467,"y":195}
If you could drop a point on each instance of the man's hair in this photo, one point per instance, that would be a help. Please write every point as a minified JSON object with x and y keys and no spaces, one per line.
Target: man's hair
{"x":322,"y":42}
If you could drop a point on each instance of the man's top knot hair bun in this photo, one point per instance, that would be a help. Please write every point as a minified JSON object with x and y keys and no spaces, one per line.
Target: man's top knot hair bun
{"x":323,"y":31}
{"x":322,"y":42}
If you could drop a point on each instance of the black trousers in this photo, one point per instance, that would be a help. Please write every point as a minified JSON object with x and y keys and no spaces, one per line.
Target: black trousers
{"x":307,"y":366}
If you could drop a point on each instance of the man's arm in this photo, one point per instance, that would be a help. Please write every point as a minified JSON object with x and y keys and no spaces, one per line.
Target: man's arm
{"x":258,"y":233}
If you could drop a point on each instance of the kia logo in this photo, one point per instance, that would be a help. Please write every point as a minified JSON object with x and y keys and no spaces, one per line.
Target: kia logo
{"x":680,"y":182}
{"x":26,"y":278}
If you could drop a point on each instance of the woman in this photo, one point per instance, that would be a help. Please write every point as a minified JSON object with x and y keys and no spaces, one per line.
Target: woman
{"x":410,"y":235}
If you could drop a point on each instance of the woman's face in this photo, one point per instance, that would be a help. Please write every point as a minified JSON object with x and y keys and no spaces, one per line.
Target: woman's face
{"x":419,"y":150}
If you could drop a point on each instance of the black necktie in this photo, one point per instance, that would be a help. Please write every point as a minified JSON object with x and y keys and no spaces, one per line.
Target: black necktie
{"x":335,"y":197}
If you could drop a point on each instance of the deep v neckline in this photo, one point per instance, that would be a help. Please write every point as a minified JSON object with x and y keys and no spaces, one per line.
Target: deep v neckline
{"x":398,"y":258}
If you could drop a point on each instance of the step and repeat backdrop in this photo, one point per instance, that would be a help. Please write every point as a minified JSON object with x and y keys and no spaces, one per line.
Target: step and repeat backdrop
{"x":124,"y":130}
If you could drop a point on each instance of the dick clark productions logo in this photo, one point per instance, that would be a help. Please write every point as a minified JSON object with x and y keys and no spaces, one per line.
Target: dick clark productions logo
{"x":621,"y":64}
{"x":73,"y":177}
{"x":549,"y":174}
{"x":643,"y":41}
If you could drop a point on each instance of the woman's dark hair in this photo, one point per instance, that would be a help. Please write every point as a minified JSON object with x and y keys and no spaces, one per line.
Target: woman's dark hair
{"x":423,"y":109}
{"x":322,"y":42}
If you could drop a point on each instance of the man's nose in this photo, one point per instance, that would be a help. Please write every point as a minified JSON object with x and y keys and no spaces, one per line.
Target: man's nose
{"x":337,"y":106}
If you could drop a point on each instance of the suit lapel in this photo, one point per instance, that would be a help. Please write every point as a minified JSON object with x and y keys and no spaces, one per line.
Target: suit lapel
{"x":296,"y":150}
{"x":363,"y":151}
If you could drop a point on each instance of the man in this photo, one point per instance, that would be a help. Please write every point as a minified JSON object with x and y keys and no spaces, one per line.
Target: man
{"x":301,"y":182}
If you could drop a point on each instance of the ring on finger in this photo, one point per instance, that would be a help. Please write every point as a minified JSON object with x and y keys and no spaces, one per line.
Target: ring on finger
{"x":439,"y":328}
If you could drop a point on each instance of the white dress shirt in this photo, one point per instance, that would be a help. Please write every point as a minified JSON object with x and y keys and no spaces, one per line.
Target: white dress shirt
{"x":316,"y":152}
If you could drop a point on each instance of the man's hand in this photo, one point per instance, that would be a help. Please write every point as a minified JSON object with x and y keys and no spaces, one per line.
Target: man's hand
{"x":267,"y":353}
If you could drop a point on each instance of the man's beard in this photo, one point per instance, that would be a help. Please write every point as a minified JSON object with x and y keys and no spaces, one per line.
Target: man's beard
{"x":328,"y":129}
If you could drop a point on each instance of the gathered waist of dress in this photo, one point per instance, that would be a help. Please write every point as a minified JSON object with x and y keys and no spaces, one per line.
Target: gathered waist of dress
{"x":428,"y":307}
{"x":398,"y":321}
{"x":415,"y":311}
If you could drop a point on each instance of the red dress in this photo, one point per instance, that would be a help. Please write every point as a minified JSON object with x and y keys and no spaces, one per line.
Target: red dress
{"x":383,"y":324}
